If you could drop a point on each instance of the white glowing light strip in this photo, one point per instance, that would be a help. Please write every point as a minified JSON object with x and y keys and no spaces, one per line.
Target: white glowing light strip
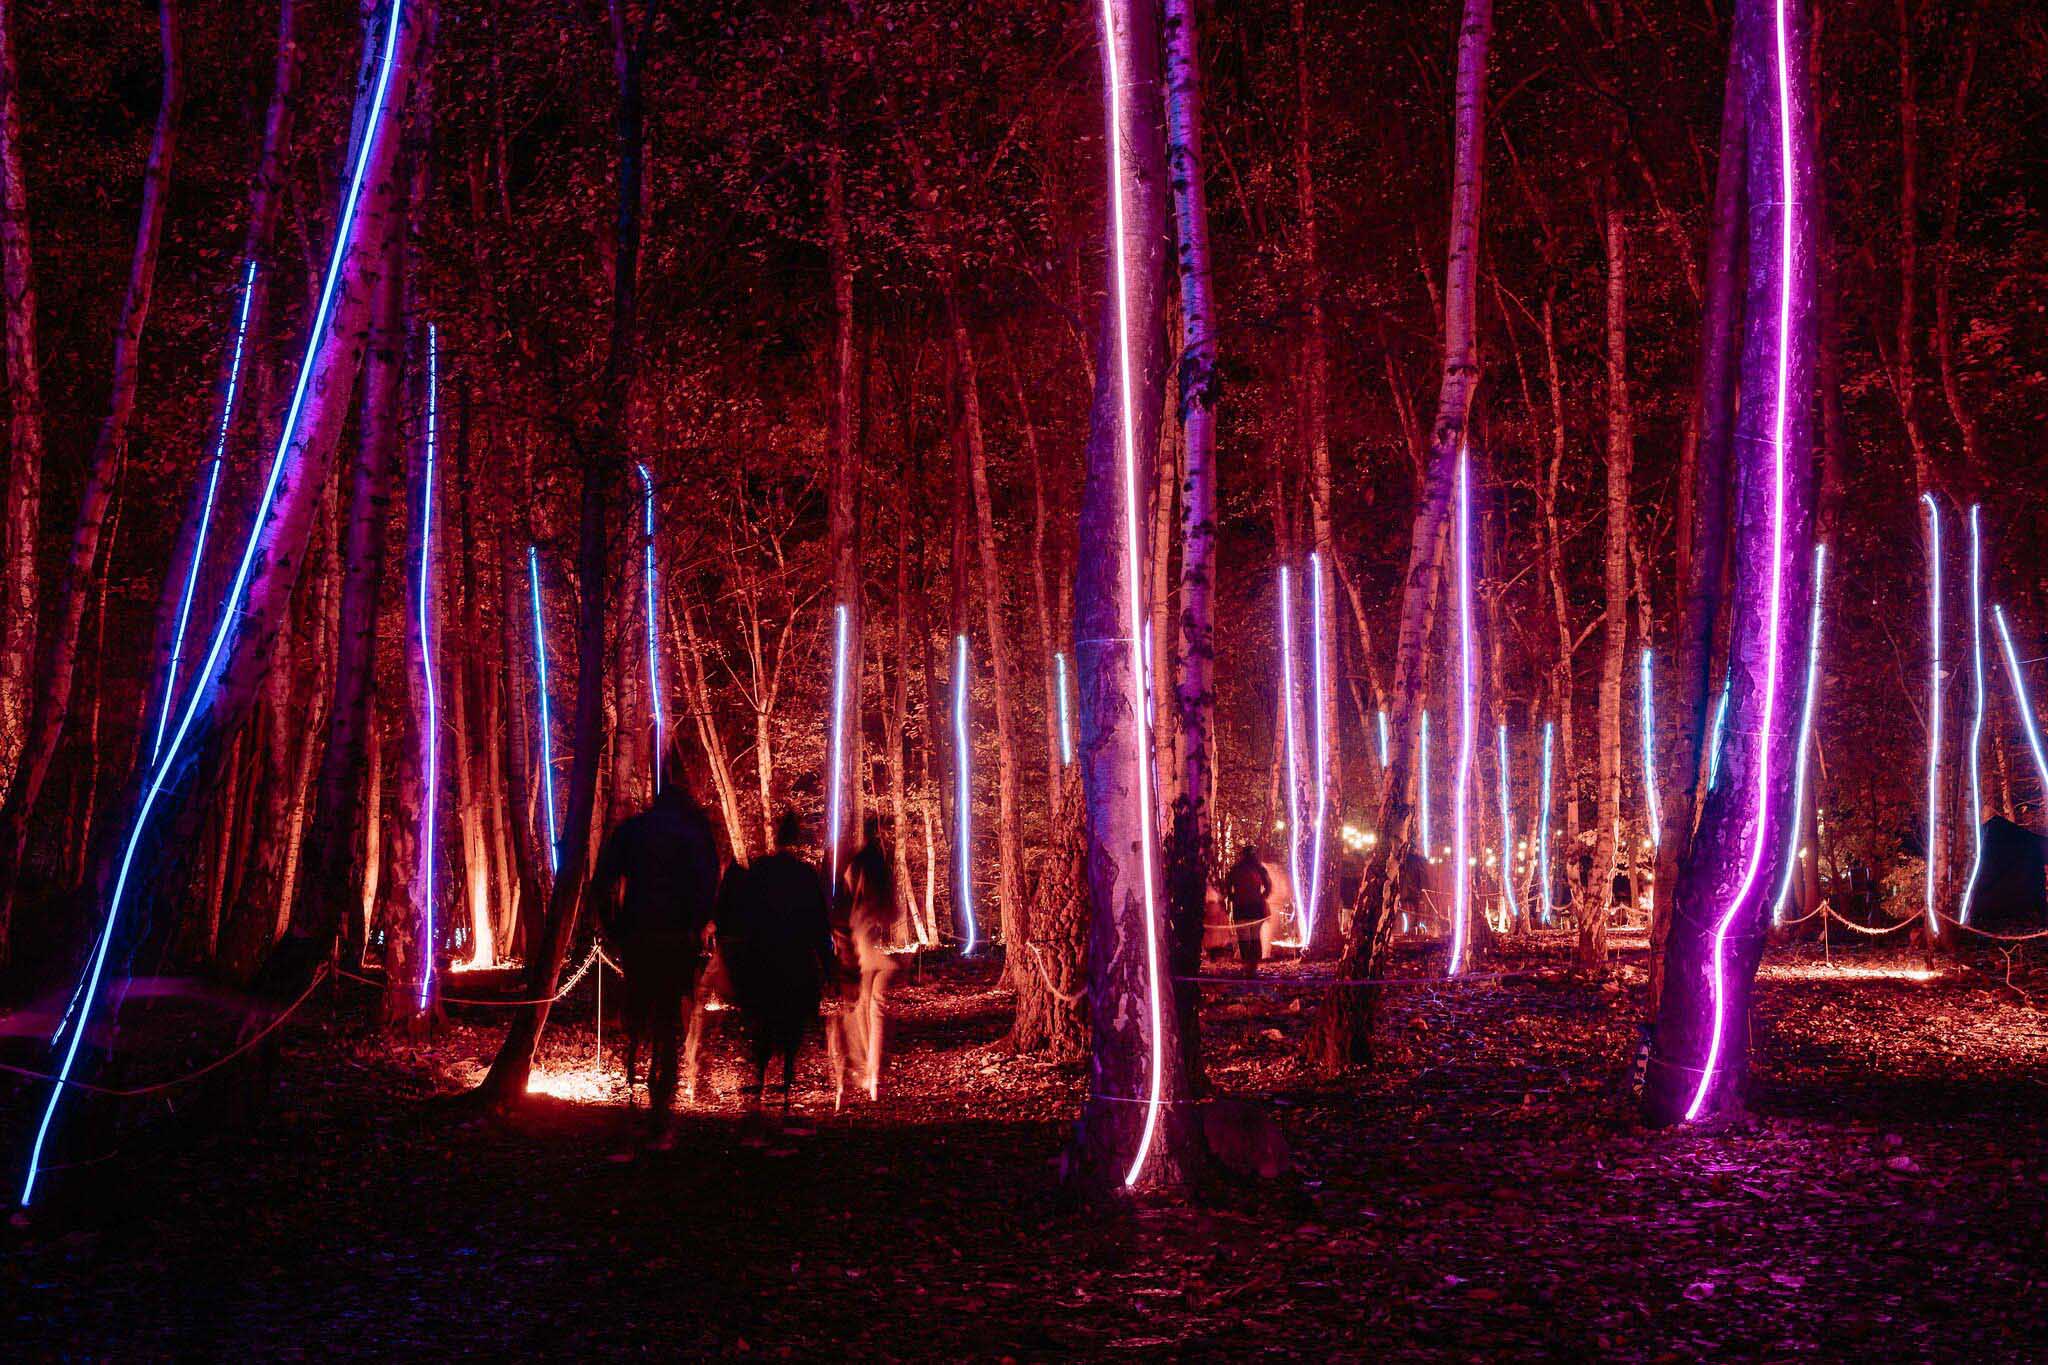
{"x":1066,"y":727}
{"x":287,"y":433}
{"x":1289,"y":699}
{"x":1543,"y":827}
{"x":1322,"y":682}
{"x":1507,"y":833}
{"x":1649,"y":724}
{"x":1820,"y":559}
{"x":963,"y":795}
{"x":220,"y":445}
{"x":433,"y":716}
{"x":1422,"y":788}
{"x":1934,"y":703}
{"x":1383,"y":737}
{"x":1461,"y":889}
{"x":1714,"y":744}
{"x":1976,"y":721}
{"x":1773,"y":624}
{"x":653,"y":638}
{"x":547,"y":727}
{"x":2019,"y":688}
{"x":832,"y":803}
{"x":1133,"y":577}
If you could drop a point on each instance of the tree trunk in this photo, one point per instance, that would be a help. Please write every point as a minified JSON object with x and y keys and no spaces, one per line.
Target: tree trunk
{"x":23,"y":511}
{"x":1722,"y":899}
{"x":1598,"y":904}
{"x":1123,"y":1137}
{"x":1341,"y":1034}
{"x":842,"y":453}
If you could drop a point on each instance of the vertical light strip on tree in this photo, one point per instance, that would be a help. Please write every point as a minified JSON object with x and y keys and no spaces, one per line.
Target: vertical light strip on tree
{"x":1383,"y":738}
{"x":230,"y":608}
{"x":1714,"y":741}
{"x":1977,"y":719}
{"x":1066,"y":724}
{"x":1322,"y":683}
{"x":2019,"y":691}
{"x":1422,"y":788}
{"x":1291,"y":710}
{"x":1933,"y":702}
{"x":1507,"y":833}
{"x":1543,"y":827}
{"x":430,"y":722}
{"x":963,"y":795}
{"x":1820,"y":559}
{"x":832,"y":800}
{"x":1461,"y":858}
{"x":1648,"y":698}
{"x":213,"y":466}
{"x":1775,"y":601}
{"x":653,"y":636}
{"x":1134,"y":590}
{"x":547,"y":726}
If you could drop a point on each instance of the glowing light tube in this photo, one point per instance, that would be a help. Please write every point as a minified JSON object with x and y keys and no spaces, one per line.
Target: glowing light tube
{"x":1507,"y":834}
{"x":2019,"y":691}
{"x":832,"y":801}
{"x":220,"y":446}
{"x":653,"y":635}
{"x":1461,"y":887}
{"x":1066,"y":725}
{"x":432,"y":719}
{"x":1649,"y":725}
{"x":1774,"y":604}
{"x":1290,"y":702}
{"x":231,"y":605}
{"x":1422,"y":787}
{"x":1543,"y":827}
{"x":963,"y":794}
{"x":1820,"y":560}
{"x":1977,"y":719}
{"x":1322,"y":682}
{"x":1383,"y":737}
{"x":547,"y":725}
{"x":1933,"y":701}
{"x":1134,"y":589}
{"x":1714,"y":742}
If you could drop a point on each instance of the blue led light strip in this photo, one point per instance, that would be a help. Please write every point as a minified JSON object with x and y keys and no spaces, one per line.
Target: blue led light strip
{"x":1066,"y":729}
{"x":653,"y":638}
{"x":1648,"y":709}
{"x":432,"y":720}
{"x":1820,"y":560}
{"x":547,"y":726}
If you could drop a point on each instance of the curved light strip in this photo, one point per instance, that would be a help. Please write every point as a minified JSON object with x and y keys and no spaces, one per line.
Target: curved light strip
{"x":1714,"y":743}
{"x":1649,"y":726}
{"x":1322,"y":683}
{"x":433,"y":716}
{"x":1290,"y":703}
{"x":1977,"y":720}
{"x":1507,"y":833}
{"x":963,"y":794}
{"x":1934,"y":704}
{"x":220,"y":446}
{"x":2019,"y":688}
{"x":1461,"y":888}
{"x":653,"y":638}
{"x":1133,"y":580}
{"x":1773,"y":623}
{"x":1066,"y":726}
{"x":1543,"y":827}
{"x":1820,"y":560}
{"x":547,"y":725}
{"x":231,"y":608}
{"x":1422,"y":788}
{"x":1383,"y":737}
{"x":832,"y":803}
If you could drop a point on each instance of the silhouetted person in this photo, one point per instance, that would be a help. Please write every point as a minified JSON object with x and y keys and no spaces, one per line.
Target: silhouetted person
{"x":775,"y":934}
{"x":863,"y":906}
{"x":668,"y":863}
{"x":1250,"y":888}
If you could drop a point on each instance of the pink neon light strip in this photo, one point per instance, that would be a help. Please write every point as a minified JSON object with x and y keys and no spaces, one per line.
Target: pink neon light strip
{"x":1773,"y":623}
{"x":1934,"y":703}
{"x":1133,"y":578}
{"x":1322,"y":682}
{"x":1977,"y":719}
{"x":1291,"y":710}
{"x":1461,"y":896}
{"x":433,"y":717}
{"x":838,"y":737}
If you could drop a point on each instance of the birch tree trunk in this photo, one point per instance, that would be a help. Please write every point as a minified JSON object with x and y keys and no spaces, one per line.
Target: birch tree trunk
{"x":1721,"y":902}
{"x":842,"y":454}
{"x":1341,"y":1034}
{"x":1598,"y":903}
{"x":21,"y":519}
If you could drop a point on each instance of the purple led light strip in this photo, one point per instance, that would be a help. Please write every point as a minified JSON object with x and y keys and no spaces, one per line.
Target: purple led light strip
{"x":838,"y":738}
{"x":1934,"y":702}
{"x":1293,"y":726}
{"x":1321,"y":675}
{"x":433,"y":716}
{"x":1977,"y":720}
{"x":1461,"y":887}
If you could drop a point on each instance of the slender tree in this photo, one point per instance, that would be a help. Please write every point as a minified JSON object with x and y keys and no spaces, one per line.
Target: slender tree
{"x":21,"y":517}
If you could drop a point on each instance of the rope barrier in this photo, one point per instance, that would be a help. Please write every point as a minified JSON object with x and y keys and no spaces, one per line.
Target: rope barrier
{"x":1986,"y":933}
{"x":131,"y":1092}
{"x":574,"y":980}
{"x":1848,"y":923}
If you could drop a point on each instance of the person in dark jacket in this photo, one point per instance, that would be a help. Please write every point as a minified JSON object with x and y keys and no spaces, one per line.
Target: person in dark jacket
{"x":775,"y":934}
{"x":863,"y":905}
{"x":1250,"y":888}
{"x":665,"y":863}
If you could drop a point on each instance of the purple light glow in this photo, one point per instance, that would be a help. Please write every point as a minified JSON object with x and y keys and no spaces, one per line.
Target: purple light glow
{"x":963,"y":793}
{"x":1543,"y":827}
{"x":1422,"y":786}
{"x":1976,"y":721}
{"x":653,"y":637}
{"x":1934,"y":702}
{"x":1315,"y":865}
{"x":1775,"y":602}
{"x":1461,"y":888}
{"x":838,"y":737}
{"x":1820,"y":559}
{"x":1291,"y":707}
{"x":433,"y":716}
{"x":1383,"y":738}
{"x":1134,"y":579}
{"x":1507,"y":833}
{"x":1649,"y":726}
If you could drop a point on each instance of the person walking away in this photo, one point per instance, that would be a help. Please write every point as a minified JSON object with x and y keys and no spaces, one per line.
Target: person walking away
{"x":862,"y":906}
{"x":1250,"y":889}
{"x":665,"y":863}
{"x":775,"y":934}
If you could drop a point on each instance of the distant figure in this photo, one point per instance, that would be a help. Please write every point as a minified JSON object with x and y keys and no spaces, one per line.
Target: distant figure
{"x":775,"y":934}
{"x":862,"y":906}
{"x":1250,"y":889}
{"x":668,"y":863}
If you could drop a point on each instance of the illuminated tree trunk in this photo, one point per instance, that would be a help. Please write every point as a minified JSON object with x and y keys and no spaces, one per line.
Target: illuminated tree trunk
{"x":23,"y":509}
{"x":1121,"y":987}
{"x":1598,"y":904}
{"x":1049,"y":641}
{"x":1341,"y":1034}
{"x":1565,"y":791}
{"x":842,"y":453}
{"x":1961,"y":159}
{"x":697,"y":683}
{"x":58,"y":657}
{"x":1904,"y":372}
{"x":1703,"y":538}
{"x":1721,"y":903}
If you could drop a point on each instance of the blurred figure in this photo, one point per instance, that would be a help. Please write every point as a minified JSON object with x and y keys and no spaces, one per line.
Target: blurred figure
{"x":775,"y":935}
{"x":1250,"y":889}
{"x":862,"y":906}
{"x":667,"y":863}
